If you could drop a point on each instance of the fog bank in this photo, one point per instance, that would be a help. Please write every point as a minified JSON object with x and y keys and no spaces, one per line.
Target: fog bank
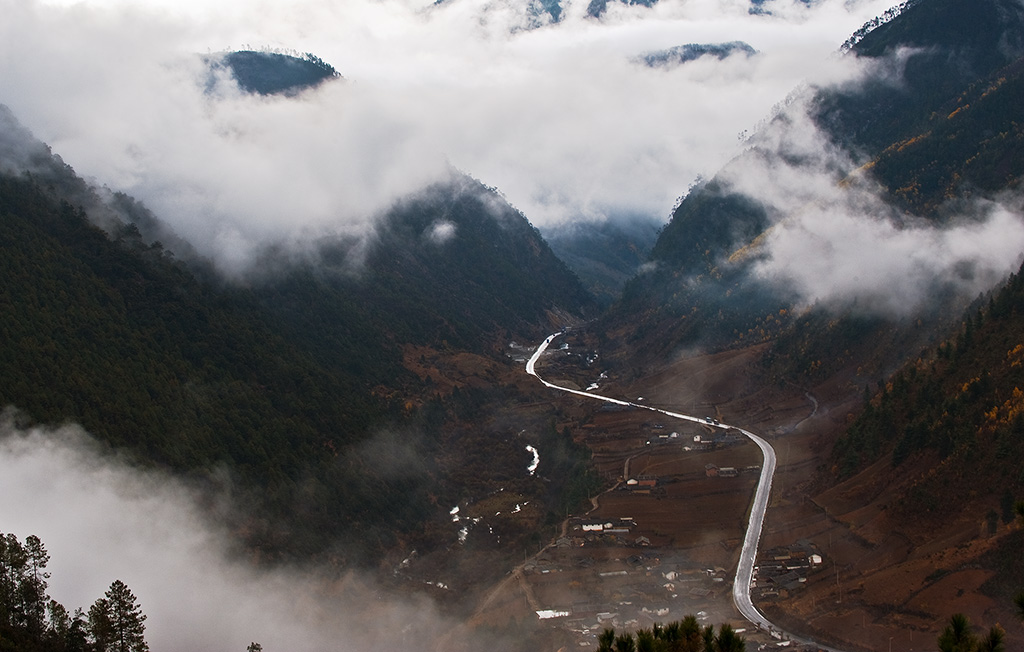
{"x":559,"y":117}
{"x":835,"y":243}
{"x":101,"y":520}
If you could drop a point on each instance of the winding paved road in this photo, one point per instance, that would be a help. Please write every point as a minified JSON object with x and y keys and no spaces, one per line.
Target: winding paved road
{"x":748,"y":553}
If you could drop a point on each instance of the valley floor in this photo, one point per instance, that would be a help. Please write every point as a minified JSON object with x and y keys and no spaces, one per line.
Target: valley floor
{"x":830,"y":566}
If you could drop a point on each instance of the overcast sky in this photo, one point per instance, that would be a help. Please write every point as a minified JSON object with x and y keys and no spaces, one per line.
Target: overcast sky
{"x":559,"y":117}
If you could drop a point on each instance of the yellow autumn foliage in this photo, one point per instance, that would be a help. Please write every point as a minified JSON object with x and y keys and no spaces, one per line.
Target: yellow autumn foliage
{"x":1009,"y":410}
{"x":966,"y":386}
{"x":1015,"y":355}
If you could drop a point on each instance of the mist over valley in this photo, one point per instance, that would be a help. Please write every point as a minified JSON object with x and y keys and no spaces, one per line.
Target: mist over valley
{"x":465,"y":325}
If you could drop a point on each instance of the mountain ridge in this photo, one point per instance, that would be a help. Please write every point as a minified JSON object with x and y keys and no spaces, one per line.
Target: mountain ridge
{"x":283,"y":379}
{"x":694,"y":261}
{"x":913,"y":472}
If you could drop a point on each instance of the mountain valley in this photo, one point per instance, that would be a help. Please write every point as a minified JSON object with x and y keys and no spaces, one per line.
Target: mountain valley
{"x":354,"y":402}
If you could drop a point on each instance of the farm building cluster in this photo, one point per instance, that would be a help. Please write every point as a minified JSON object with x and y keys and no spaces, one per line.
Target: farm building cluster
{"x":782,"y":570}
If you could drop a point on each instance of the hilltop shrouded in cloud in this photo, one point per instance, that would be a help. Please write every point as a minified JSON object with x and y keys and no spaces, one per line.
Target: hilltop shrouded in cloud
{"x":833,"y":239}
{"x":560,"y":118}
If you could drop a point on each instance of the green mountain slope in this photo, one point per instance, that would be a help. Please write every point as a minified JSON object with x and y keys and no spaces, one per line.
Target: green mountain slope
{"x":948,"y":45}
{"x":285,"y":381}
{"x":925,"y":474}
{"x":943,"y":129}
{"x":270,"y":73}
{"x":961,"y":401}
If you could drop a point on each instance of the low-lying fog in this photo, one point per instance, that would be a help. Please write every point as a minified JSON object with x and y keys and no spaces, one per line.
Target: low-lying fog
{"x":101,"y":521}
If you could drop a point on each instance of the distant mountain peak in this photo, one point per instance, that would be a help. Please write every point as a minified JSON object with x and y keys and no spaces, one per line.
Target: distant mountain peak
{"x":597,"y":7}
{"x":273,"y":73}
{"x":887,"y":16}
{"x":681,"y":54}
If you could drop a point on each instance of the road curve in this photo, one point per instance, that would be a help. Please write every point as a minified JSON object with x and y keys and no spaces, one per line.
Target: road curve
{"x":748,"y":553}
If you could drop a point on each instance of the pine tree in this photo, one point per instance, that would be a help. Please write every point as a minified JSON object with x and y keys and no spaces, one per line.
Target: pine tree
{"x":708,"y":635}
{"x":645,"y":641}
{"x":117,"y":622}
{"x":66,"y":632}
{"x":12,"y":561}
{"x":993,"y":641}
{"x":34,"y":583}
{"x":958,"y":637}
{"x":690,"y":634}
{"x":100,"y":628}
{"x":728,"y":640}
{"x":625,"y":643}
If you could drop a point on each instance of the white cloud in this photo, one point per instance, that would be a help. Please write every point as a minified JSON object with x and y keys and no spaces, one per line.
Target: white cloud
{"x":833,"y":241}
{"x":557,"y":117}
{"x":441,"y":232}
{"x":842,"y":258}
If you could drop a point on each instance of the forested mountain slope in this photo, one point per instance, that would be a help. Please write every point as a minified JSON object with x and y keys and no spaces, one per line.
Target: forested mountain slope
{"x":961,"y":401}
{"x":929,"y":474}
{"x":282,"y":379}
{"x":268,"y":73}
{"x":872,"y":188}
{"x":948,"y":127}
{"x":913,"y":144}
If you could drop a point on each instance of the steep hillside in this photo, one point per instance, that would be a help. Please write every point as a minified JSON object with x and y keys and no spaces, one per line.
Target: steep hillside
{"x":946,"y":45}
{"x":450,"y":268}
{"x":291,"y":381}
{"x":924,"y":140}
{"x":474,"y":261}
{"x":912,"y":496}
{"x":961,"y":403}
{"x":948,"y":127}
{"x":921,"y":490}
